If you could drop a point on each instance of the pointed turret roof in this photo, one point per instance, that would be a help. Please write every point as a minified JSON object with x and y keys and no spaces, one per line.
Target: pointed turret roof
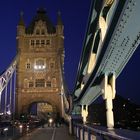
{"x":41,"y":15}
{"x":21,"y":21}
{"x":59,"y":19}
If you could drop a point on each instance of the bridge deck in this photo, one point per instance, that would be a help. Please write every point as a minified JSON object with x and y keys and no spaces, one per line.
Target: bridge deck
{"x":49,"y":133}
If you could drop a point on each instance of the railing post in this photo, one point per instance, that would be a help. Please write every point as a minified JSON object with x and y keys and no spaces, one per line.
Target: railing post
{"x":70,"y":124}
{"x":83,"y":133}
{"x":84,"y":113}
{"x":108,"y":91}
{"x":78,"y":132}
{"x":89,"y":135}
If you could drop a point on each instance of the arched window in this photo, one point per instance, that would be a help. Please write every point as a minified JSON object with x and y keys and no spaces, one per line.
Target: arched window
{"x":40,"y":64}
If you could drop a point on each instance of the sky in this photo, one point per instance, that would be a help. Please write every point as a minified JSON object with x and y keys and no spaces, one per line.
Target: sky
{"x":75,"y":18}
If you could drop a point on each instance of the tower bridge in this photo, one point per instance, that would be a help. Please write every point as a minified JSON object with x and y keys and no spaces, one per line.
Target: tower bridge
{"x":40,"y":49}
{"x":38,"y":68}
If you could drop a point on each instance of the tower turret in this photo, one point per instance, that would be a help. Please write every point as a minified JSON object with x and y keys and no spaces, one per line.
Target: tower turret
{"x":21,"y":26}
{"x":59,"y":26}
{"x":60,"y":37}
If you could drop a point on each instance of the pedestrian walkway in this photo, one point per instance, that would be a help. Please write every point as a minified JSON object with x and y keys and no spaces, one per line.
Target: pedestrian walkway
{"x":62,"y":134}
{"x":49,"y":133}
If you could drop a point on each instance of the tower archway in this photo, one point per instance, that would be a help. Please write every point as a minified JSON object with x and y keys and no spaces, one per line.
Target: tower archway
{"x":43,"y":110}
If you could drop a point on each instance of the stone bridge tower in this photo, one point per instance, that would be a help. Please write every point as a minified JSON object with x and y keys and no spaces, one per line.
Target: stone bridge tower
{"x":40,"y":48}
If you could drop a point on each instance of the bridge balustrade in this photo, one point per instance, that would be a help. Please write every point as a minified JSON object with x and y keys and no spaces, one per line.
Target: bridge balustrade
{"x":84,"y":132}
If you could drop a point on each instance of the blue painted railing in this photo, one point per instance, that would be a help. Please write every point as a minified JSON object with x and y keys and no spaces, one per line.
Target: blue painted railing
{"x":84,"y":132}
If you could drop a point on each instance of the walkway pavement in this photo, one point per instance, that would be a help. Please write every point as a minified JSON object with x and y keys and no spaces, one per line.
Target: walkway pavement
{"x":49,"y":133}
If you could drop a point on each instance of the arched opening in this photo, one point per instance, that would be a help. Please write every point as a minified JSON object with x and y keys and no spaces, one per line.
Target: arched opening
{"x":42,"y":110}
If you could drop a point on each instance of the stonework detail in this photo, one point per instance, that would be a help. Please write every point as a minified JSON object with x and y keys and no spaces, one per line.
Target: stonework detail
{"x":40,"y":48}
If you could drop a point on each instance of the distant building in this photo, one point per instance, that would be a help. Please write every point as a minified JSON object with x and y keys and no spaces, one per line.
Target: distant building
{"x":126,"y":113}
{"x":40,"y":49}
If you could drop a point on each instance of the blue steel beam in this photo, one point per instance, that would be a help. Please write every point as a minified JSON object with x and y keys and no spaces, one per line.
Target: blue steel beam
{"x":117,"y":47}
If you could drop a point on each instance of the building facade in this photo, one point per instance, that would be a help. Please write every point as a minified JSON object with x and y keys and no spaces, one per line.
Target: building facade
{"x":40,"y":48}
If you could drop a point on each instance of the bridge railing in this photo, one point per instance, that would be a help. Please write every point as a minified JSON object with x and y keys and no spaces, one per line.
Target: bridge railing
{"x":84,"y":132}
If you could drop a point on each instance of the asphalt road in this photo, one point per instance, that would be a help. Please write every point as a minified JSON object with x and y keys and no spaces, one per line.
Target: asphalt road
{"x":48,"y":133}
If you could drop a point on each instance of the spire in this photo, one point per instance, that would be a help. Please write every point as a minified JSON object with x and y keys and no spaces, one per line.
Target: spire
{"x":59,"y":19}
{"x":21,"y":21}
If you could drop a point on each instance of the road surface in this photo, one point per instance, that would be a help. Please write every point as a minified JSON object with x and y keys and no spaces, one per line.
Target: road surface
{"x":49,"y":133}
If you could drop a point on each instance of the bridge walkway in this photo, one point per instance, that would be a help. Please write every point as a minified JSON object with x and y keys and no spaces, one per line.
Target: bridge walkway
{"x":49,"y":133}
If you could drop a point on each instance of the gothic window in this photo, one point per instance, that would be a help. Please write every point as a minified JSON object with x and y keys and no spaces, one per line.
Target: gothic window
{"x":31,"y":84}
{"x":40,"y":64}
{"x":37,"y":31}
{"x":28,"y":66}
{"x":47,"y":42}
{"x":32,"y":42}
{"x":49,"y":84}
{"x":40,"y":83}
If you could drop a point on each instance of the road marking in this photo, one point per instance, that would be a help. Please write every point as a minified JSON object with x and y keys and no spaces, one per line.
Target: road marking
{"x":53,"y":135}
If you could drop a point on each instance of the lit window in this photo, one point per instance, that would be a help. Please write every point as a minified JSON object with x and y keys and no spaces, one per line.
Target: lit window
{"x":48,"y":83}
{"x":31,"y":84}
{"x":40,"y":83}
{"x":39,"y":64}
{"x":47,"y":42}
